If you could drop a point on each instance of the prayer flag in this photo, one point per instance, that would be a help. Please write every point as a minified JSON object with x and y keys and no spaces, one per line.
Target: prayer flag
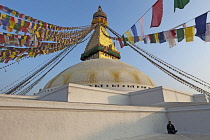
{"x":200,"y":25}
{"x":2,"y":40}
{"x":7,"y":60}
{"x":130,"y":37}
{"x":157,"y":13}
{"x":189,"y":34}
{"x":141,"y":21}
{"x":134,"y":31}
{"x":207,"y":34}
{"x":152,"y":38}
{"x":161,"y":37}
{"x":121,"y":42}
{"x":169,"y":38}
{"x":180,"y":4}
{"x":173,"y":33}
{"x":146,"y":39}
{"x":156,"y":37}
{"x":180,"y":34}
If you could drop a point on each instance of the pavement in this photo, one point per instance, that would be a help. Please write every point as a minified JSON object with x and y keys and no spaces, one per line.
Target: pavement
{"x":177,"y":136}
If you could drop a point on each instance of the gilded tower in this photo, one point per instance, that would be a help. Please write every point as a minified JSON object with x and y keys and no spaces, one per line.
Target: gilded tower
{"x":100,"y":46}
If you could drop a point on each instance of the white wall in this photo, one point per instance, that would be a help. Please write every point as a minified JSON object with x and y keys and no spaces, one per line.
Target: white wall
{"x":147,"y":97}
{"x":54,"y":94}
{"x":191,"y":119}
{"x":171,"y":95}
{"x":86,"y":94}
{"x":44,"y":120}
{"x":199,"y":98}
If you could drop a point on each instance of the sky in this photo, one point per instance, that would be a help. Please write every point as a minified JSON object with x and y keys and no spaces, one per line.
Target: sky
{"x":192,"y":57}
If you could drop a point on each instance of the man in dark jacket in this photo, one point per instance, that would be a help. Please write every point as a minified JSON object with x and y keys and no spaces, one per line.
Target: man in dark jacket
{"x":171,"y":129}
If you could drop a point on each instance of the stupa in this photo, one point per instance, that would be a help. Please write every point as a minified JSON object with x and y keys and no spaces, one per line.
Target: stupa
{"x":101,"y":66}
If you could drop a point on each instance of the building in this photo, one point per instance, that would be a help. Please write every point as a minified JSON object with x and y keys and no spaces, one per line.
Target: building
{"x":101,"y":98}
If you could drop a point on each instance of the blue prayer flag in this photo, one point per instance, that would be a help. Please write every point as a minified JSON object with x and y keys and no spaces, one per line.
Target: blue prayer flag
{"x":200,"y":25}
{"x":161,"y":37}
{"x":134,"y":31}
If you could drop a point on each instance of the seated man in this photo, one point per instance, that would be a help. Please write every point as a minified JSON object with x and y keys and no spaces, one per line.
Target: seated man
{"x":171,"y":129}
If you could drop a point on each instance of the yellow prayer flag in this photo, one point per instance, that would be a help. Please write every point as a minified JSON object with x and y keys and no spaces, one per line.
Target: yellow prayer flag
{"x":22,"y":42}
{"x":156,"y":37}
{"x":12,"y":24}
{"x":44,"y":52}
{"x":9,"y":29}
{"x":22,"y":23}
{"x":30,"y":54}
{"x":35,"y":25}
{"x":13,"y":13}
{"x":189,"y":34}
{"x":130,"y":37}
{"x":37,"y":34}
{"x":3,"y":15}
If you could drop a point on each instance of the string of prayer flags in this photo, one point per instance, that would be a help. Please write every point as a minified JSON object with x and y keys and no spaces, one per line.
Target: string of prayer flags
{"x":200,"y":25}
{"x":180,"y":34}
{"x":134,"y":31}
{"x":189,"y":33}
{"x":157,"y":13}
{"x":180,"y":4}
{"x":130,"y":37}
{"x":40,"y":23}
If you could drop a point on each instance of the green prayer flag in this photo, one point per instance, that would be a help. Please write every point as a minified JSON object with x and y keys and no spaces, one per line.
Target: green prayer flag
{"x":180,"y":4}
{"x":180,"y":34}
{"x":152,"y":38}
{"x":124,"y":40}
{"x":17,"y":26}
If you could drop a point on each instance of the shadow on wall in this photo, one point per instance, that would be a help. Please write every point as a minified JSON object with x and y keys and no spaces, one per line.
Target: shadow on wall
{"x":127,"y":127}
{"x":119,"y":100}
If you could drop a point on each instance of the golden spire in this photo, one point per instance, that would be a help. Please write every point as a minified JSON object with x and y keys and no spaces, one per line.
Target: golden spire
{"x":99,"y":45}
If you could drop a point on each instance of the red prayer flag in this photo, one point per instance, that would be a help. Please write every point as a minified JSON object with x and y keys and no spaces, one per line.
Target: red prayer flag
{"x":21,"y":16}
{"x":7,"y":60}
{"x":157,"y":13}
{"x":121,"y":42}
{"x":173,"y":33}
{"x":2,"y":40}
{"x":1,"y":7}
